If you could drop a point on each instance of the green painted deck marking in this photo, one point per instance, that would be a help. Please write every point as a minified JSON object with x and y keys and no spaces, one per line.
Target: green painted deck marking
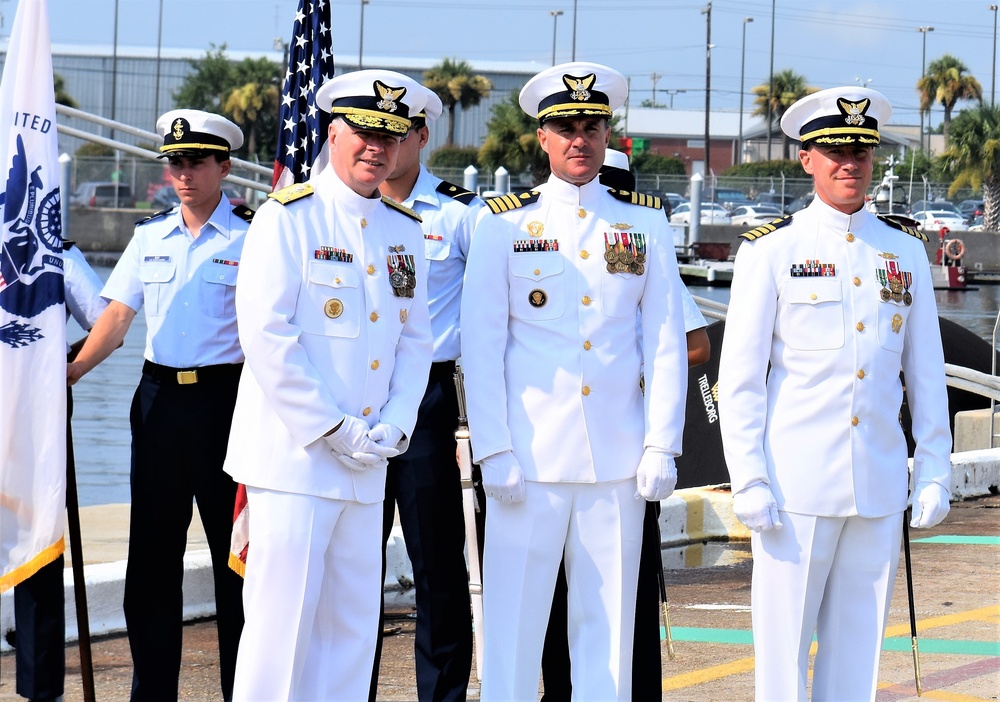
{"x":973,"y":540}
{"x":896,"y":643}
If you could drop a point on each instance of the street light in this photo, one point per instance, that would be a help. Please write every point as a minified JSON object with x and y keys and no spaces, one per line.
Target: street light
{"x":708,"y":85}
{"x":770,"y":87}
{"x":671,"y":92}
{"x":573,"y":58}
{"x":993,"y":84}
{"x":923,"y":71}
{"x":555,"y":19}
{"x":743,"y":58}
{"x":361,"y":40}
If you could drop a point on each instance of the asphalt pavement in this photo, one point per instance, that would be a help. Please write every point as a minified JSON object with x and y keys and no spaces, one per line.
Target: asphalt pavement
{"x":957,"y":593}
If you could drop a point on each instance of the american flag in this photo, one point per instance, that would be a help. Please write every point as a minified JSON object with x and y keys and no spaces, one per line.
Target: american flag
{"x":303,"y":126}
{"x":302,"y":149}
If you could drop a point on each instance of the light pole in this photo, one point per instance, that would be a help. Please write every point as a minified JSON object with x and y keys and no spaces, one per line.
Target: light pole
{"x":743,"y":59}
{"x":770,"y":87}
{"x":555,"y":19}
{"x":573,"y":57}
{"x":361,"y":40}
{"x":708,"y":85}
{"x":923,"y":71}
{"x":993,"y":82}
{"x":159,"y":45}
{"x":671,"y":93}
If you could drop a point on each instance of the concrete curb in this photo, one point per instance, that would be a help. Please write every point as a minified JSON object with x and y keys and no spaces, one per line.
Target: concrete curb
{"x":695,"y":526}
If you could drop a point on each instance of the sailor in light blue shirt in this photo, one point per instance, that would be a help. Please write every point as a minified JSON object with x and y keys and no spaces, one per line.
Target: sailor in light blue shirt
{"x":181,"y":267}
{"x":186,"y":284}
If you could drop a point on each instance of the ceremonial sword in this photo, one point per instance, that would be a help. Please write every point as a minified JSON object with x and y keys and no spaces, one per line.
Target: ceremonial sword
{"x":909,"y":597}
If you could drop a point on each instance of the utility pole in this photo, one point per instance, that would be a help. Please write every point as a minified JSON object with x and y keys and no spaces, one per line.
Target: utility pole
{"x":708,"y":85}
{"x":655,"y":77}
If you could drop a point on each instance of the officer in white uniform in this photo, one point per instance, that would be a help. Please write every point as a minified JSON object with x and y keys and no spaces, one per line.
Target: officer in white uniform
{"x":554,"y":284}
{"x":837,"y":301}
{"x":181,"y":266}
{"x":424,"y":482}
{"x":333,"y":319}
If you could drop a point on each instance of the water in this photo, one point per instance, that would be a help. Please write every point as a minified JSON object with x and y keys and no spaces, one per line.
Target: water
{"x":102,"y":398}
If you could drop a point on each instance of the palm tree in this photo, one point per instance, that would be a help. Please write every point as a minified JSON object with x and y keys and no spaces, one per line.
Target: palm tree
{"x":973,"y":157}
{"x":512,"y":142}
{"x":454,"y":83}
{"x":788,"y":87}
{"x":246,"y":104}
{"x":946,"y":82}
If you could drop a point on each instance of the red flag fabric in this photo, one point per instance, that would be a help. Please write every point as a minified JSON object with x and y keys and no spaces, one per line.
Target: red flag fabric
{"x":302,"y":151}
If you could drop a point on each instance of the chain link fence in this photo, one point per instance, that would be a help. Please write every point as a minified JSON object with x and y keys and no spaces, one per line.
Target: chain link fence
{"x":146,"y":177}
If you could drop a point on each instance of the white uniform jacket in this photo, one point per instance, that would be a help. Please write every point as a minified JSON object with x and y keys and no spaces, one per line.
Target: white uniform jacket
{"x":325,"y":337}
{"x":549,"y":344}
{"x":822,"y":428}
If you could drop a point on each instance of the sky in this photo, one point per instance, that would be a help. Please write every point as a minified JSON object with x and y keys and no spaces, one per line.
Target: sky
{"x":660,"y":45}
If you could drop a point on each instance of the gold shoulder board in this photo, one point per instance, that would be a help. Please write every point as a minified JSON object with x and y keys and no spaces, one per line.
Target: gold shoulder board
{"x":292,"y":193}
{"x":888,"y":219}
{"x":766,"y":229}
{"x":505,"y":203}
{"x":641,"y":199}
{"x":401,"y":208}
{"x":455,"y":192}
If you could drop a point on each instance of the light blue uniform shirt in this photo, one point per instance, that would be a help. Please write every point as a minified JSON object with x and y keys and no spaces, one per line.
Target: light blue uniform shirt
{"x":187,"y":285}
{"x":447,"y":225}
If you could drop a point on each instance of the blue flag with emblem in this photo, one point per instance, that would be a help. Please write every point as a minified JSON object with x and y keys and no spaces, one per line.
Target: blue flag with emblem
{"x":302,"y":149}
{"x":32,"y":309}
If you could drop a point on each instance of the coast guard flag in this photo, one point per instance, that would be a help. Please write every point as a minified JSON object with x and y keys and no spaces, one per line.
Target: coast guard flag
{"x":302,"y":152}
{"x":32,"y":311}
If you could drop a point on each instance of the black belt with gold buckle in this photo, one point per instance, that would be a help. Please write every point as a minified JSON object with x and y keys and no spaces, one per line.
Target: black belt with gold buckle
{"x":190,"y":376}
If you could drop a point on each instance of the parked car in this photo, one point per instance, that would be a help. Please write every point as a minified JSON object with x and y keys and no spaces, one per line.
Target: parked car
{"x":710,"y":214}
{"x":971,"y":209}
{"x":234,"y":193}
{"x":727,"y":197}
{"x":938,"y":205}
{"x":671,"y":201}
{"x":103,"y":194}
{"x":976,"y":224}
{"x":755,"y":215}
{"x":800,"y":203}
{"x":164,"y":198}
{"x":776,"y":199}
{"x":933,"y":220}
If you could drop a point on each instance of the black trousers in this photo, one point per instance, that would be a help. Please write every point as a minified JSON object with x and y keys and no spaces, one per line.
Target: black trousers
{"x":647,"y":675}
{"x":179,"y":439}
{"x":425,"y":485}
{"x":40,"y":615}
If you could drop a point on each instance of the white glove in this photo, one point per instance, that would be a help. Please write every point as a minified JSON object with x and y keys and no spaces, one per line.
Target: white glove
{"x":930,"y":505}
{"x":387,"y":438}
{"x":756,"y":507}
{"x":503,"y":478}
{"x":350,"y":443}
{"x":656,"y":475}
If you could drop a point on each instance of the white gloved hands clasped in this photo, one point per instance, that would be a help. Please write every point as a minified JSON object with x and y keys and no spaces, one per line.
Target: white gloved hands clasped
{"x":385,"y":436}
{"x":352,"y":445}
{"x":931,"y":504}
{"x":503,"y":479}
{"x":656,"y":475}
{"x":756,"y":507}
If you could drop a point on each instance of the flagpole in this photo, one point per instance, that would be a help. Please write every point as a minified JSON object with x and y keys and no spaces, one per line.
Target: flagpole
{"x":76,"y":558}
